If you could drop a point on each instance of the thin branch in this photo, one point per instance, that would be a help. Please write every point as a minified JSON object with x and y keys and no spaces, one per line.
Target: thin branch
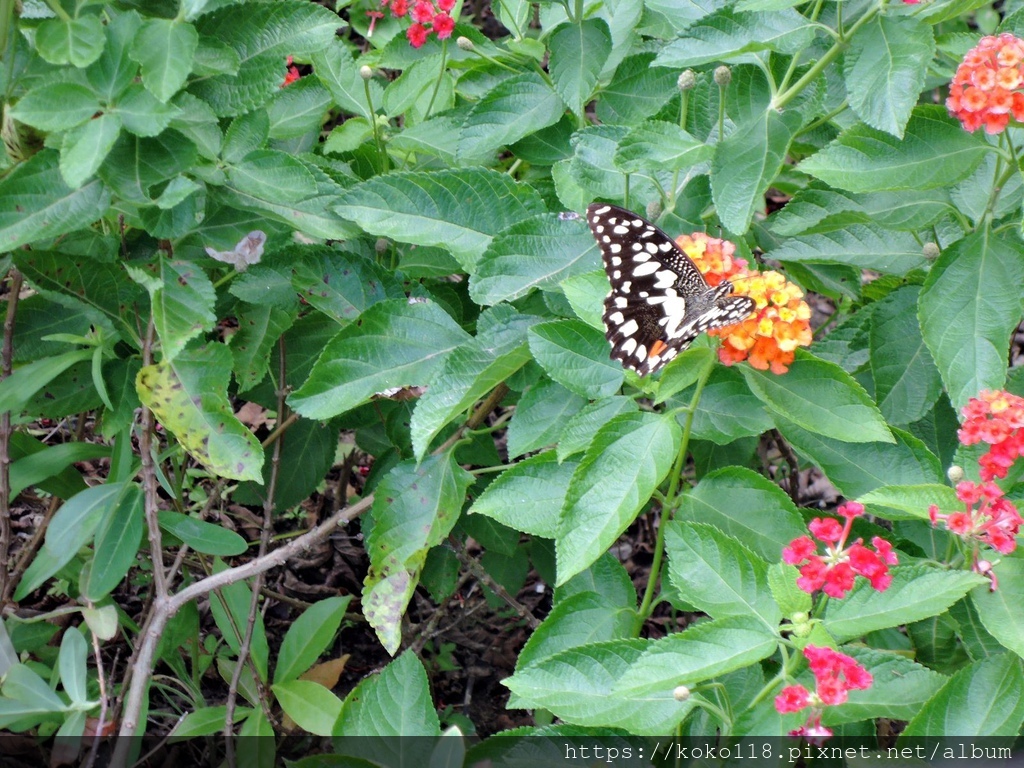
{"x":103,"y":702}
{"x":485,"y":578}
{"x":6,"y":365}
{"x":149,"y":483}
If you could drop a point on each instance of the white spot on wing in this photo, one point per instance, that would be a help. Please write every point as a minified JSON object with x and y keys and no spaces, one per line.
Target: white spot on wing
{"x":647,"y":268}
{"x":628,"y":329}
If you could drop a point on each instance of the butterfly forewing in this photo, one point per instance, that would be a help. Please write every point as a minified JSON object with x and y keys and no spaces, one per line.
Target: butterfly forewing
{"x":659,"y":301}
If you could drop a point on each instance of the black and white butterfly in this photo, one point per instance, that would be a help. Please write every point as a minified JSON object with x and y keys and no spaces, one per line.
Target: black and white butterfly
{"x":659,"y":300}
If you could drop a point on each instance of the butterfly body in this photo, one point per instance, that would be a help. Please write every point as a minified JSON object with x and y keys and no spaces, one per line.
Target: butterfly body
{"x":659,"y":300}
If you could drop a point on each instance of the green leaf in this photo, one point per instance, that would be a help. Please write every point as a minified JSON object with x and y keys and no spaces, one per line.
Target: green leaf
{"x":524,"y":496}
{"x":826,"y":210}
{"x":73,"y":665}
{"x":727,"y":411}
{"x":183,"y":300}
{"x":968,"y":308}
{"x":999,"y":610}
{"x":578,"y":620}
{"x":746,"y":162}
{"x":538,"y":252}
{"x":461,"y":210}
{"x":22,"y":385}
{"x":705,"y":650}
{"x":56,"y":107}
{"x":746,"y":506}
{"x":78,"y":42}
{"x":267,"y":174}
{"x":637,"y":90}
{"x":898,"y":691}
{"x":627,"y":460}
{"x":313,"y":708}
{"x":29,"y":689}
{"x":578,"y":53}
{"x":935,"y":151}
{"x":205,"y":721}
{"x":579,"y":431}
{"x":189,"y":397}
{"x":884,"y":69}
{"x":916,"y":592}
{"x":857,"y":468}
{"x":513,"y":109}
{"x":657,"y":144}
{"x":49,"y":467}
{"x":576,"y":356}
{"x":260,"y":328}
{"x":726,"y":35}
{"x":117,"y":543}
{"x":35,"y":203}
{"x":298,"y":109}
{"x":414,"y":509}
{"x":309,"y":636}
{"x":137,"y":166}
{"x":821,"y":397}
{"x":540,"y":417}
{"x":395,"y":702}
{"x":585,"y":294}
{"x":262,"y":35}
{"x":984,"y":699}
{"x":142,"y":113}
{"x":578,"y":686}
{"x":230,"y":608}
{"x":84,"y":148}
{"x":334,"y":66}
{"x":790,"y":598}
{"x":864,"y":246}
{"x":164,"y":49}
{"x":102,"y":622}
{"x":718,"y":575}
{"x":911,"y":502}
{"x":208,"y":538}
{"x":395,"y":344}
{"x":907,"y":384}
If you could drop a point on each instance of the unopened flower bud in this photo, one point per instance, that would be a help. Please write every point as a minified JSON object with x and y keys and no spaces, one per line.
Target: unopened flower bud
{"x":955,"y":474}
{"x":381,"y":245}
{"x":464,"y":43}
{"x":930,"y":251}
{"x":723,"y":76}
{"x":687,"y":80}
{"x":365,"y":72}
{"x":681,"y":693}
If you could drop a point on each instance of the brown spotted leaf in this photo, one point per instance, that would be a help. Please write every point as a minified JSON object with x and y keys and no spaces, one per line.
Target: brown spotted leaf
{"x":189,"y":398}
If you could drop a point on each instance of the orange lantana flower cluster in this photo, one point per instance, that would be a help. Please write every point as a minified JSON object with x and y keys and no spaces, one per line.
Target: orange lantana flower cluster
{"x":768,"y":338}
{"x":986,"y":87}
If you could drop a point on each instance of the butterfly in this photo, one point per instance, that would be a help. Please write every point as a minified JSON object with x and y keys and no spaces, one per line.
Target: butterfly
{"x":659,"y":300}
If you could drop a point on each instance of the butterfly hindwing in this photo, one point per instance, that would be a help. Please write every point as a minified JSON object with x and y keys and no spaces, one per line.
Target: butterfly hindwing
{"x":659,"y":301}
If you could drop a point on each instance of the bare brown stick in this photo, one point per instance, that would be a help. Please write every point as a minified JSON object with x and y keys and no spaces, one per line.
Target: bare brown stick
{"x":793,"y":485}
{"x":103,"y":702}
{"x":6,"y":365}
{"x":149,"y":483}
{"x":268,"y":524}
{"x":164,"y":609}
{"x":484,"y":577}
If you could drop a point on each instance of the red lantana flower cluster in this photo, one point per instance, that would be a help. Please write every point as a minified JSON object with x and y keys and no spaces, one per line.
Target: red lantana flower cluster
{"x":835,"y":675}
{"x":781,"y":320}
{"x":989,"y":518}
{"x":292,"y":74}
{"x":426,"y":17}
{"x":986,"y":89}
{"x":996,"y":418}
{"x":836,"y":570}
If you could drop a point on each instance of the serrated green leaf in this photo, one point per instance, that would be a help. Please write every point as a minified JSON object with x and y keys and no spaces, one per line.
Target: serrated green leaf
{"x":968,"y":308}
{"x":541,"y":414}
{"x":817,"y":210}
{"x":907,"y":384}
{"x":246,"y":134}
{"x":183,"y":300}
{"x":78,"y":42}
{"x":864,"y":246}
{"x":538,"y":252}
{"x":340,"y":285}
{"x":935,"y":151}
{"x":999,"y":610}
{"x":911,"y":502}
{"x":524,"y":496}
{"x":578,"y":620}
{"x":821,"y":397}
{"x":585,"y":294}
{"x":298,"y":109}
{"x":885,"y":70}
{"x":309,"y":636}
{"x":657,"y":144}
{"x":117,"y":543}
{"x":513,"y":109}
{"x":898,"y":690}
{"x":580,"y":430}
{"x":578,"y":687}
{"x":84,"y":148}
{"x":576,"y":356}
{"x":916,"y":592}
{"x":719,"y":575}
{"x":394,"y":702}
{"x":202,"y":536}
{"x":271,"y":175}
{"x":790,"y":598}
{"x":746,"y":506}
{"x":259,"y":329}
{"x":636,"y":91}
{"x":337,"y":70}
{"x":625,"y":463}
{"x":984,"y":699}
{"x":746,"y":163}
{"x":726,"y":35}
{"x":578,"y":53}
{"x":164,"y":49}
{"x":56,"y":106}
{"x":857,"y":468}
{"x":137,"y":165}
{"x":415,"y":507}
{"x":189,"y":397}
{"x":395,"y":344}
{"x":461,"y":210}
{"x":35,"y":203}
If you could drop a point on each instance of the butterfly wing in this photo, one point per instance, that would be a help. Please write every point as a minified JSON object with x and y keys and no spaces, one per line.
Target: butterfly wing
{"x":659,"y":301}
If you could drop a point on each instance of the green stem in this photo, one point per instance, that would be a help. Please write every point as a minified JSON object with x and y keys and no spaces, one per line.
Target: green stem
{"x":440,"y":75}
{"x":672,"y":497}
{"x":372,"y":114}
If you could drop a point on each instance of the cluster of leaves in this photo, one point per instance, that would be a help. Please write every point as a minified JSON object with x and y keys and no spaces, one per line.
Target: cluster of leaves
{"x":424,"y":243}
